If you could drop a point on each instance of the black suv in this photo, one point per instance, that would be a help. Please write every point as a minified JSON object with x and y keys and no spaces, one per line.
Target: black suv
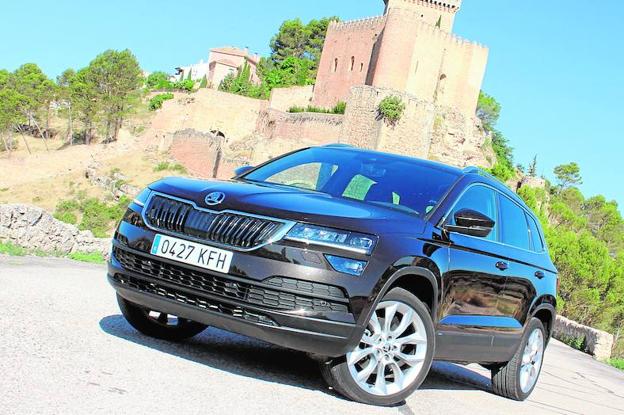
{"x":377,"y":264}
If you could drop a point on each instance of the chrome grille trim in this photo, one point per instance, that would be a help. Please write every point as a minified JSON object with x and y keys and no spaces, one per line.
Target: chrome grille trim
{"x":230,"y":229}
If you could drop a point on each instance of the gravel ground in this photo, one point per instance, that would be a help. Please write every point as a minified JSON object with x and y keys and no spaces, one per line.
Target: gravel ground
{"x":65,"y":349}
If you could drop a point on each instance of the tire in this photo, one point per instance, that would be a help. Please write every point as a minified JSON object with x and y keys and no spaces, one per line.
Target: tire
{"x":412,"y":342}
{"x":156,"y":324}
{"x":517,"y":378}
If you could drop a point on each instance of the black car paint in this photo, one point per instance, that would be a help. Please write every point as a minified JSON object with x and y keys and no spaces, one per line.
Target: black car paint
{"x":479,"y":310}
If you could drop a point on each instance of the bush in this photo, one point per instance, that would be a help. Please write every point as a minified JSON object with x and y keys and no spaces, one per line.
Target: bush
{"x":166,"y":166}
{"x":156,"y":102}
{"x":92,"y":214}
{"x":337,"y":109}
{"x":577,"y":343}
{"x":158,"y":81}
{"x":7,"y":248}
{"x":184,"y":85}
{"x":617,"y":363}
{"x":340,"y":107}
{"x":391,"y":109}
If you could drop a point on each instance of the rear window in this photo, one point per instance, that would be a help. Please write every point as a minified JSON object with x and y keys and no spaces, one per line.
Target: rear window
{"x":514,"y":228}
{"x":536,"y":237}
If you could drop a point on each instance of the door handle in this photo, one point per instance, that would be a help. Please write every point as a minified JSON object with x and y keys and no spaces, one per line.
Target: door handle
{"x":503,"y":266}
{"x":540,"y":274}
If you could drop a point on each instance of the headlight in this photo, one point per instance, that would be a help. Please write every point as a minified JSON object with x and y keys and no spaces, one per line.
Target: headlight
{"x":142,"y":197}
{"x":318,"y":235}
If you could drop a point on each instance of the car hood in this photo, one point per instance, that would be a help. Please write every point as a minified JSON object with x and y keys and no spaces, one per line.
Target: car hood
{"x":293,"y":204}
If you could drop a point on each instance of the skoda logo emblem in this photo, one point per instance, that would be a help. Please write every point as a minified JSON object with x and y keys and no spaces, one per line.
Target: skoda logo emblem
{"x":214,"y":198}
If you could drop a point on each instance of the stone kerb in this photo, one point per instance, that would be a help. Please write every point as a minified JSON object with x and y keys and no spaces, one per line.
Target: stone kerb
{"x":598,"y":343}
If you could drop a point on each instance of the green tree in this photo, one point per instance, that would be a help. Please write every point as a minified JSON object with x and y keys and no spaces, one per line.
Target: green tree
{"x":64,"y":96}
{"x":189,"y":77}
{"x":37,"y":91}
{"x":86,"y":101}
{"x":532,"y":172}
{"x":204,"y":82}
{"x":299,"y":40}
{"x":118,"y":78}
{"x":568,"y":175}
{"x":158,"y":81}
{"x":488,"y":110}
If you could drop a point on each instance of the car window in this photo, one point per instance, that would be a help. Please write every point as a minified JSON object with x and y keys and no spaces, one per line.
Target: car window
{"x":481,"y":199}
{"x":538,"y":243}
{"x":312,"y":176}
{"x":360,"y":188}
{"x":391,"y":181}
{"x":514,"y":227}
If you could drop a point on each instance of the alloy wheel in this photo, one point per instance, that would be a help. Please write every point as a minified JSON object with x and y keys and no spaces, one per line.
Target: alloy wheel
{"x":392,"y":350}
{"x":532,"y":360}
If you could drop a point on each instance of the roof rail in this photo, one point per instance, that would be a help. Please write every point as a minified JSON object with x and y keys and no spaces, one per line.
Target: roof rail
{"x":338,"y":145}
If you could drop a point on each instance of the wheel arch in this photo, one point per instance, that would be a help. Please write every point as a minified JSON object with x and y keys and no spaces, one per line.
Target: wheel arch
{"x":417,"y":280}
{"x":545,"y":310}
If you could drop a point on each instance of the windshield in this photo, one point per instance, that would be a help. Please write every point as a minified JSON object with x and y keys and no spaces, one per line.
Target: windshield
{"x":382,"y":179}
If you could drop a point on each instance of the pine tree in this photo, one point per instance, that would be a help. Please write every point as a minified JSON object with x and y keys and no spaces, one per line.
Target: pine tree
{"x":204,"y":82}
{"x":533,"y":167}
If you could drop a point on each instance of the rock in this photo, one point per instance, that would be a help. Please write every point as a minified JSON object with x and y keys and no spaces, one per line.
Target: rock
{"x":598,"y":343}
{"x":35,"y":229}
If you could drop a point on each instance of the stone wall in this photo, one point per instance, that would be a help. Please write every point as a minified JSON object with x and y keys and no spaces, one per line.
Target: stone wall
{"x":306,"y":127}
{"x":425,"y":130}
{"x":283,"y":99}
{"x":207,"y":110}
{"x":34,"y":228}
{"x":598,"y":343}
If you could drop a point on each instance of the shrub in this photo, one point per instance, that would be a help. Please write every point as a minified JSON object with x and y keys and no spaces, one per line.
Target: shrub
{"x":91,"y":214}
{"x":617,"y":363}
{"x":340,"y":107}
{"x":337,"y":109}
{"x":204,"y":82}
{"x":577,"y":343}
{"x":391,"y":109}
{"x":184,"y":85}
{"x":158,"y":81}
{"x":7,"y":248}
{"x":166,"y":166}
{"x":157,"y":101}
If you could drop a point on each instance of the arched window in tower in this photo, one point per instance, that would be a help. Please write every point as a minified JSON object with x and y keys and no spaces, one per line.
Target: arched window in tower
{"x":352,"y":63}
{"x":335,"y":64}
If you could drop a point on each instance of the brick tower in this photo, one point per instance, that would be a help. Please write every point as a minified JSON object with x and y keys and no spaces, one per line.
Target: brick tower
{"x":410,"y":49}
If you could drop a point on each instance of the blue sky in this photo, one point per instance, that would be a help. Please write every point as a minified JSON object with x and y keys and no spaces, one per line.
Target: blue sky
{"x":556,"y":66}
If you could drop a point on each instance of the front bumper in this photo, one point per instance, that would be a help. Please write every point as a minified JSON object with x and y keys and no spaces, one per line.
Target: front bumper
{"x":300,"y":319}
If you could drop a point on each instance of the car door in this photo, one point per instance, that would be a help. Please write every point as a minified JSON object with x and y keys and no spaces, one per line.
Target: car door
{"x":469,"y":314}
{"x":521,"y":243}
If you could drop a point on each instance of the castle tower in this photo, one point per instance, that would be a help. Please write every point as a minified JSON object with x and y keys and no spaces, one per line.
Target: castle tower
{"x":439,"y":13}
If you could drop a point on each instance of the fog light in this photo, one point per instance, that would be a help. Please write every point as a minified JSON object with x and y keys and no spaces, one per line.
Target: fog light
{"x":347,"y":265}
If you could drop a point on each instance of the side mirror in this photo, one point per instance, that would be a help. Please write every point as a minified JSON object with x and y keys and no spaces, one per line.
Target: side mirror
{"x":470,"y":222}
{"x":242,"y":170}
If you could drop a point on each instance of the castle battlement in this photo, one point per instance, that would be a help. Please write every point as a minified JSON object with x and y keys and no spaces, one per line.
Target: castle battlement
{"x":369,"y":22}
{"x":451,"y":6}
{"x":413,"y":17}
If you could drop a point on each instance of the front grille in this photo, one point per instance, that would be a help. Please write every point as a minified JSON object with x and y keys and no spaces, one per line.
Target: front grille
{"x":193,"y":300}
{"x":232,"y":229}
{"x":250,"y":293}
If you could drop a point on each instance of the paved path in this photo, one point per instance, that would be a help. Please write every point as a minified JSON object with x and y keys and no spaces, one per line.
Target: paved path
{"x":64,"y":349}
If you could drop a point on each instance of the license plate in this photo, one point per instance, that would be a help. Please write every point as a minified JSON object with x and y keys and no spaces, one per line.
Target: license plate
{"x":192,"y":253}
